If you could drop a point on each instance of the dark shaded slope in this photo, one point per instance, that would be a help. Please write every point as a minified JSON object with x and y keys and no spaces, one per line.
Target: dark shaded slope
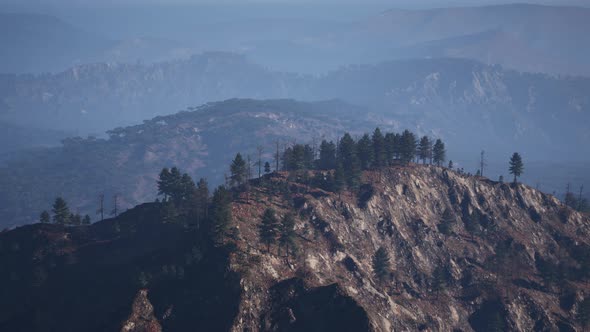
{"x":85,"y":278}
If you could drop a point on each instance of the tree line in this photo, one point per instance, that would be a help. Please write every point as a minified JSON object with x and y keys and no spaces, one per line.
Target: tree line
{"x":62,"y":215}
{"x":346,"y":158}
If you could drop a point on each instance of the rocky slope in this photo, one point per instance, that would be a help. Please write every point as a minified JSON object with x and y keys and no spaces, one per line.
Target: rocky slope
{"x":510,"y":258}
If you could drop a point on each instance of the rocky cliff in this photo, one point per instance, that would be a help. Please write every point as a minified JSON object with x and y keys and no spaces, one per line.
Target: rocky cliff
{"x":495,"y":263}
{"x":466,"y":254}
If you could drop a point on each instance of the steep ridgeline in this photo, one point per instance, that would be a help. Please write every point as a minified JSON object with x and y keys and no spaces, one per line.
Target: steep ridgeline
{"x":463,"y":254}
{"x":201,"y":142}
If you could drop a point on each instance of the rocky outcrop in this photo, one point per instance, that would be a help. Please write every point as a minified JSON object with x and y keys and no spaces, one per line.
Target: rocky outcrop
{"x":142,"y":317}
{"x":495,"y":264}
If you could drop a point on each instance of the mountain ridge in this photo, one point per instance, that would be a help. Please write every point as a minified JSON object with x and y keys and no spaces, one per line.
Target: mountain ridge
{"x":496,"y":269}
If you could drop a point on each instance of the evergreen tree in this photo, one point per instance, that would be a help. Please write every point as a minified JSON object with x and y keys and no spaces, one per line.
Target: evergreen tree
{"x":447,"y":221}
{"x":308,"y":157}
{"x":327,"y":155}
{"x":407,"y":147}
{"x":287,"y":233}
{"x":365,"y":152}
{"x":185,"y":189}
{"x":175,"y":182}
{"x":86,"y":220}
{"x":516,"y":166}
{"x":397,"y":146}
{"x":164,"y":183}
{"x":450,"y":164}
{"x":76,"y":219}
{"x":347,"y":157}
{"x":425,"y":149}
{"x":441,"y":278}
{"x":266,"y":167}
{"x":44,"y":217}
{"x":381,"y":264}
{"x":288,"y":159}
{"x":61,"y":212}
{"x":238,"y":171}
{"x":439,"y":153}
{"x":298,"y":157}
{"x":268,"y":228}
{"x":339,"y":179}
{"x":221,"y":214}
{"x":390,"y":145}
{"x":200,"y":201}
{"x":379,"y":149}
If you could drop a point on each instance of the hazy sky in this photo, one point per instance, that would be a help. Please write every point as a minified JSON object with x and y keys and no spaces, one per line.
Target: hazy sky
{"x":392,"y":3}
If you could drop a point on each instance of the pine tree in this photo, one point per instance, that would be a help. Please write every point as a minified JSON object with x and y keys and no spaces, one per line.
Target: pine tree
{"x":440,"y":278}
{"x":61,"y":212}
{"x":238,"y":171}
{"x":44,"y":217}
{"x":439,"y":153}
{"x":308,"y":157}
{"x":365,"y":152}
{"x":76,"y":219}
{"x":339,"y":179}
{"x":266,"y":167}
{"x":287,"y":233}
{"x":397,"y":146}
{"x":185,"y":190}
{"x":407,"y":147}
{"x":447,"y":221}
{"x":327,"y":155}
{"x":268,"y":228}
{"x":381,"y":264}
{"x":199,"y":202}
{"x":221,"y":214}
{"x":288,"y":159}
{"x":175,"y":183}
{"x":516,"y":166}
{"x":347,"y":157}
{"x":450,"y":164}
{"x":425,"y":149}
{"x":390,"y":145}
{"x":164,"y":183}
{"x":379,"y":149}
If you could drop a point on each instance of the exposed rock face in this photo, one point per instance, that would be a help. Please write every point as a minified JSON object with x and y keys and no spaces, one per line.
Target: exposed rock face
{"x":485,"y":270}
{"x":509,"y":258}
{"x":142,"y":317}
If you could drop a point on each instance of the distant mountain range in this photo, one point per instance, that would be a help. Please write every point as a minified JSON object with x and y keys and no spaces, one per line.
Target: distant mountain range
{"x":504,"y":109}
{"x":524,"y":37}
{"x":33,"y":43}
{"x":532,"y":38}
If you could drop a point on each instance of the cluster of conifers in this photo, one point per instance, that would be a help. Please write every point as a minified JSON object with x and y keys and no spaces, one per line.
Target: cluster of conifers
{"x":349,"y":157}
